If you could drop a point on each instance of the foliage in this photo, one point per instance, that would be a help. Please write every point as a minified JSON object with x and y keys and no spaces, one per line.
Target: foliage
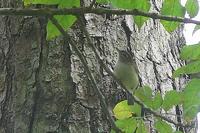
{"x":172,"y":8}
{"x":145,"y":95}
{"x":190,"y":52}
{"x":172,"y":98}
{"x":143,"y":5}
{"x":66,"y":21}
{"x":127,"y":118}
{"x":127,"y":125}
{"x":163,"y":127}
{"x":122,"y":110}
{"x":191,"y":104}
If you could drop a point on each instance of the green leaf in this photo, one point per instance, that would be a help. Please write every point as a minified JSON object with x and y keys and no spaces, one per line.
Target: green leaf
{"x":47,"y":2}
{"x":190,"y":68}
{"x":197,"y":27}
{"x":136,"y":109}
{"x":191,"y":52}
{"x":26,"y":2}
{"x":191,"y":104}
{"x":122,"y":110}
{"x":157,"y":101}
{"x":145,"y":95}
{"x":66,"y":21}
{"x":178,"y":132}
{"x":140,"y":20}
{"x":172,"y":98}
{"x":163,"y":127}
{"x":103,"y":1}
{"x":143,"y":5}
{"x":69,"y":3}
{"x":172,"y":8}
{"x":192,"y":7}
{"x":112,"y":131}
{"x":141,"y":127}
{"x":127,"y":125}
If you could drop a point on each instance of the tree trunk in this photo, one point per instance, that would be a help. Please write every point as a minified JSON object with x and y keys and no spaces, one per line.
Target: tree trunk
{"x":43,"y":85}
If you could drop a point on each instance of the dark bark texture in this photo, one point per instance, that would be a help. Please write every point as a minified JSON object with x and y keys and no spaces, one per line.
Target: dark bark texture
{"x":43,"y":85}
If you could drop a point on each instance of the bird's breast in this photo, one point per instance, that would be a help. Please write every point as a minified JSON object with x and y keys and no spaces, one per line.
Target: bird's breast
{"x":127,"y":74}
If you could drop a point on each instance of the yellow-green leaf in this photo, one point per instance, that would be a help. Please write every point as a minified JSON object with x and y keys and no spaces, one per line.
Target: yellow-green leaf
{"x":122,"y":110}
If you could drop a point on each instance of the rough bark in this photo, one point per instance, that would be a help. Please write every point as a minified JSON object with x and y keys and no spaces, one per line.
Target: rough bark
{"x":43,"y":85}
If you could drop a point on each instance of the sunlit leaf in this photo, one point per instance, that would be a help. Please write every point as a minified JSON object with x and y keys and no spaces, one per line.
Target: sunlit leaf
{"x":66,"y":21}
{"x":47,"y":2}
{"x":172,"y":8}
{"x":122,"y":110}
{"x":140,"y":20}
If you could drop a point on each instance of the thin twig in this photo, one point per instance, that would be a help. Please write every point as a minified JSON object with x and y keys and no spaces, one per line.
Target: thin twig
{"x":85,"y":10}
{"x":89,"y":40}
{"x":92,"y":80}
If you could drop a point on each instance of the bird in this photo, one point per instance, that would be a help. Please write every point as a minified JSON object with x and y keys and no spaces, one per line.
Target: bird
{"x":126,"y":71}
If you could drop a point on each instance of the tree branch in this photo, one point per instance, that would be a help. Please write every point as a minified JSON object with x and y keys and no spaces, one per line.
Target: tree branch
{"x":85,"y":10}
{"x":88,"y":72}
{"x":89,"y":40}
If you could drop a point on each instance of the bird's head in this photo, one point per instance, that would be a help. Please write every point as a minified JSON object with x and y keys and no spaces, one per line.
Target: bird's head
{"x":124,"y":56}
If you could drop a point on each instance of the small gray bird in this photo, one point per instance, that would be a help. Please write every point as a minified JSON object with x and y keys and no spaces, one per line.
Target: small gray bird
{"x":126,"y":71}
